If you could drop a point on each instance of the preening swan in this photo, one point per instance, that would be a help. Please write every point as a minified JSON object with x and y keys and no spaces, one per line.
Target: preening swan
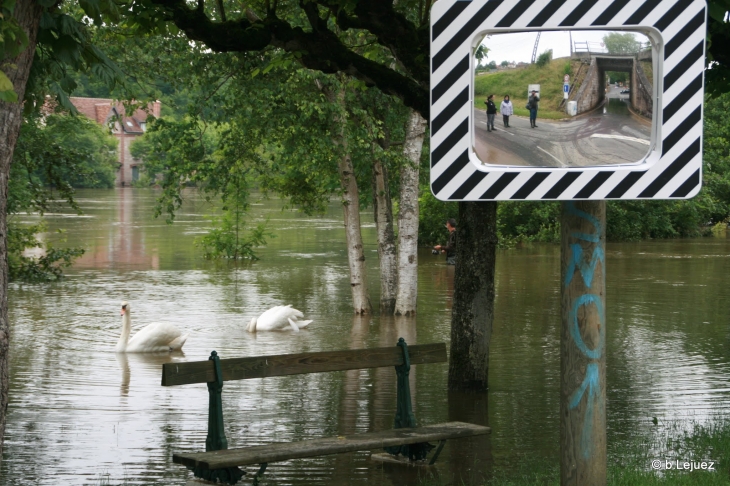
{"x":154,"y":338}
{"x":279,"y":318}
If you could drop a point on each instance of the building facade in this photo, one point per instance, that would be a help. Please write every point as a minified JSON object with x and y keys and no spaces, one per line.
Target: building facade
{"x":125,"y":128}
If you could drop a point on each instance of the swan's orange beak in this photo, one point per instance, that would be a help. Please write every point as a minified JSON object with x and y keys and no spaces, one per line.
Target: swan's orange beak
{"x":121,"y":313}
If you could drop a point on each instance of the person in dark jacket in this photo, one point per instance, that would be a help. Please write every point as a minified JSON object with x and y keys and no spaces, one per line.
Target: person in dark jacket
{"x":450,"y":247}
{"x":532,"y":103}
{"x":491,"y":112}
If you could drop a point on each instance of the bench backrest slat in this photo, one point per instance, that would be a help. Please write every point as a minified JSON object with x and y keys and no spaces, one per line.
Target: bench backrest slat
{"x":294,"y":364}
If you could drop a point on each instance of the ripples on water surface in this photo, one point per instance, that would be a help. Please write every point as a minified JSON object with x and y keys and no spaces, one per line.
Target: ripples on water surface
{"x":80,"y":414}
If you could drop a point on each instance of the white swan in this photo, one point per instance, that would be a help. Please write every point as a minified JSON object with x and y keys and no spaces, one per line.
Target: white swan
{"x":279,"y":318}
{"x":153,"y":338}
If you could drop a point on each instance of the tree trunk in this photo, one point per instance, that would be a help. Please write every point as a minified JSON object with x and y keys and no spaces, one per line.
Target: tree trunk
{"x":473,"y":310}
{"x":355,"y":253}
{"x":583,"y":344}
{"x":28,"y":14}
{"x":408,"y":217}
{"x":350,"y":206}
{"x":383,"y":212}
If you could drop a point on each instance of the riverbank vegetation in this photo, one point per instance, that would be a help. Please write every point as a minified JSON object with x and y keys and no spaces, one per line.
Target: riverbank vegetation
{"x":630,"y":460}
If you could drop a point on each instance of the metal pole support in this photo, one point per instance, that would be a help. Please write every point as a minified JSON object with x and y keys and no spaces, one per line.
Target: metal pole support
{"x":216,"y":439}
{"x":404,"y":417}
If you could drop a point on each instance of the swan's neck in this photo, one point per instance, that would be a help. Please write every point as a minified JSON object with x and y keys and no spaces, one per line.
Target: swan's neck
{"x":126,"y":329}
{"x":252,"y":325}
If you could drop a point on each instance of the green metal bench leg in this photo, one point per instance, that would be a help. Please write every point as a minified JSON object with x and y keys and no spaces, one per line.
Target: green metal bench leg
{"x":260,"y":473}
{"x":404,"y":417}
{"x":438,"y":451}
{"x":216,"y":439}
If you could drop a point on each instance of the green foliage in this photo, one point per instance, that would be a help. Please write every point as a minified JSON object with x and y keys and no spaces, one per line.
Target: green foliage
{"x":226,"y":240}
{"x":528,"y":221}
{"x":432,"y":216}
{"x":181,"y":151}
{"x":61,"y":152}
{"x":218,"y":161}
{"x":492,"y":65}
{"x":717,"y":76}
{"x":544,"y":58}
{"x":480,"y":53}
{"x":568,"y":68}
{"x":45,"y":268}
{"x":617,"y":76}
{"x":617,"y":43}
{"x":96,"y":163}
{"x":51,"y":157}
{"x":636,"y":220}
{"x":716,"y":157}
{"x":386,"y":43}
{"x":65,"y":48}
{"x":12,"y":41}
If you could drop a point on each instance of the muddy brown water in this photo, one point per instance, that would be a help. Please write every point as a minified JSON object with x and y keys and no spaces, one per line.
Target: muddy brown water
{"x":82,"y":415}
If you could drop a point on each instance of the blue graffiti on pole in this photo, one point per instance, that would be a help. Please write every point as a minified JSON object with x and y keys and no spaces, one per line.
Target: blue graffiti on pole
{"x":587,"y":299}
{"x":586,"y":269}
{"x":591,"y":382}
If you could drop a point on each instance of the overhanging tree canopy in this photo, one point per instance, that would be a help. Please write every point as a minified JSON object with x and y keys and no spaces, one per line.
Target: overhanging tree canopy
{"x":309,"y":30}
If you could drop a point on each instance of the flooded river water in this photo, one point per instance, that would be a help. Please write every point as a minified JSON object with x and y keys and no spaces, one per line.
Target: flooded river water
{"x":82,"y":415}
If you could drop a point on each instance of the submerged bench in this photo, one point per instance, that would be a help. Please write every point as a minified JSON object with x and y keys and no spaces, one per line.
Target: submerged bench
{"x":219,"y":463}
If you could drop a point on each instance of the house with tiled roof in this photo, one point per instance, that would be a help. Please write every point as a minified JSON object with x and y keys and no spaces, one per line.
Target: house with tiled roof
{"x":125,"y":128}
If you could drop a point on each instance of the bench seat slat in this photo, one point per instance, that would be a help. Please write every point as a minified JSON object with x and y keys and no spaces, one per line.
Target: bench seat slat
{"x":329,"y":445}
{"x":293,"y":364}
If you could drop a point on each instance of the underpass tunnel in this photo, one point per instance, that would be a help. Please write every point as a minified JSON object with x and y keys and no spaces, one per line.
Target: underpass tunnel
{"x":613,"y":64}
{"x":639,"y":84}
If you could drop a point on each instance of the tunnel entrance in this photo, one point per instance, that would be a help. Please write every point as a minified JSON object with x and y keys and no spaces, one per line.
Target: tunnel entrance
{"x":638,"y":89}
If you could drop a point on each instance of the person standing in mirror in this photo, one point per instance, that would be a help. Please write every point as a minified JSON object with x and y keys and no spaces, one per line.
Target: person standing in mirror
{"x":506,"y":109}
{"x":491,"y":112}
{"x":532,"y":106}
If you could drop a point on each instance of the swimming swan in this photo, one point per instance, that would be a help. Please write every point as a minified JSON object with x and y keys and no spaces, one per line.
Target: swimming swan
{"x":153,"y":338}
{"x":279,"y":318}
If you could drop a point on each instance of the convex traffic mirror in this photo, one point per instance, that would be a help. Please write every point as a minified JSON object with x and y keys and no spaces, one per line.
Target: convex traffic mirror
{"x":626,"y":123}
{"x":595,"y":92}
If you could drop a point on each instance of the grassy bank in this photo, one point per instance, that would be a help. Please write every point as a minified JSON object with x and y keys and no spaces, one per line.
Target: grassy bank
{"x":513,"y":82}
{"x":630,"y":463}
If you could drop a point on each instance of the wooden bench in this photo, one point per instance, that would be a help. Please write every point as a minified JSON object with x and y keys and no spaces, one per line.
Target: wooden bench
{"x":219,"y":463}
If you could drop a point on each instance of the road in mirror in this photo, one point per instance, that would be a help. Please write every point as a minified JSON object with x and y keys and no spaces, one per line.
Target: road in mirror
{"x":563,"y":98}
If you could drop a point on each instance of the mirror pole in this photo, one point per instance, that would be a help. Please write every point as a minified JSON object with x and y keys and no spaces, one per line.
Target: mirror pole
{"x":583,"y":344}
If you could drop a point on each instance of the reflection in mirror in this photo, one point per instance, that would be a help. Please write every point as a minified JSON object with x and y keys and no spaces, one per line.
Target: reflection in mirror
{"x":563,"y":98}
